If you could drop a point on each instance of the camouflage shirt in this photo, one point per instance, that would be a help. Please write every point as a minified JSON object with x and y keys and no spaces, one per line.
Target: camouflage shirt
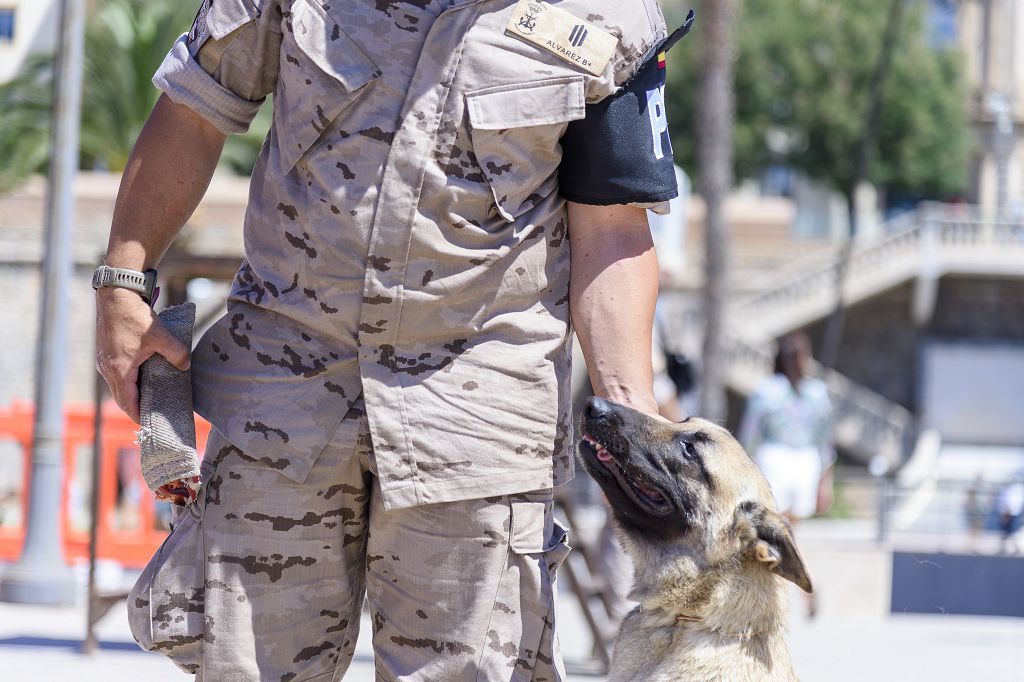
{"x":405,"y":238}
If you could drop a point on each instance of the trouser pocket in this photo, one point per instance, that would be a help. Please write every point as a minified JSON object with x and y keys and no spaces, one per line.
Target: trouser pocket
{"x":549,"y":658}
{"x":538,"y":546}
{"x":166,"y":604}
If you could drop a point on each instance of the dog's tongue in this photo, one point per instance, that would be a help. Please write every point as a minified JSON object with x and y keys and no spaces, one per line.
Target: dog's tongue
{"x":604,"y":455}
{"x":650,"y":492}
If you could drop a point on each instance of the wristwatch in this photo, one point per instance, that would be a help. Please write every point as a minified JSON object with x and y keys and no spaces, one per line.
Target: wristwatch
{"x":142,"y":283}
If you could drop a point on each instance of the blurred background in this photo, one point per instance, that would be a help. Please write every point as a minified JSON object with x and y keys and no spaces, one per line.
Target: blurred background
{"x":857,"y":175}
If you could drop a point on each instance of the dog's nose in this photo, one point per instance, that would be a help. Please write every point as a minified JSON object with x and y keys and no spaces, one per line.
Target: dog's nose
{"x":598,"y":408}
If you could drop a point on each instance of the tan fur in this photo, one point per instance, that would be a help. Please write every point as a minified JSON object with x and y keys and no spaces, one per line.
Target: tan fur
{"x":725,"y":572}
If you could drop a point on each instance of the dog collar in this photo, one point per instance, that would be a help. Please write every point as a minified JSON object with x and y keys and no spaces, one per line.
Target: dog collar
{"x":682,"y":618}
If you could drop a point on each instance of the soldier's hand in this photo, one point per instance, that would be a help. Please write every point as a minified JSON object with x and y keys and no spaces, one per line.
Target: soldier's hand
{"x":128,"y":332}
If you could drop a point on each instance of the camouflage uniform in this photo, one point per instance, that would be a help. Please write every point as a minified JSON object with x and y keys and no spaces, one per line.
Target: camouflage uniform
{"x":263,"y":578}
{"x":395,"y":355}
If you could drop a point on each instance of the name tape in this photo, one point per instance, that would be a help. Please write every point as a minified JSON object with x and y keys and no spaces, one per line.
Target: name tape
{"x":563,"y":35}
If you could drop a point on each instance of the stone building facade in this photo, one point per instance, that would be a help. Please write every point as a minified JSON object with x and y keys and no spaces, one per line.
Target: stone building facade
{"x":215,"y":229}
{"x":981,"y":316}
{"x":989,"y":34}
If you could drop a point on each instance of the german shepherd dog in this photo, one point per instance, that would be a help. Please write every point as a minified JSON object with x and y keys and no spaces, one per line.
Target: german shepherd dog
{"x":699,"y":521}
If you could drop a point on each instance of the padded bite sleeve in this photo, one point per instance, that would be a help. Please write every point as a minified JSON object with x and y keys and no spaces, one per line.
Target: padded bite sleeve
{"x":167,"y":437}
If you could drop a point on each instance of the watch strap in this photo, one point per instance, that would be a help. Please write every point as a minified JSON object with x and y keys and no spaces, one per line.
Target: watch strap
{"x":143,"y":283}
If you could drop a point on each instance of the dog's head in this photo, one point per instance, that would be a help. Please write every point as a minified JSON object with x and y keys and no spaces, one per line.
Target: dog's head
{"x":688,"y":489}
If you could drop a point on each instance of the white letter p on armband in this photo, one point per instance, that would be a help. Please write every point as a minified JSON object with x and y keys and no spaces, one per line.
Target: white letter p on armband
{"x":659,"y":123}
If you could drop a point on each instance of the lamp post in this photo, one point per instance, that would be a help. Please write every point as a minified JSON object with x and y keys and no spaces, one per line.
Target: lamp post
{"x":40,"y":576}
{"x":1002,"y":147}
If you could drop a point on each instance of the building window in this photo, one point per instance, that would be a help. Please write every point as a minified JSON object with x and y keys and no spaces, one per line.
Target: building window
{"x":6,"y":24}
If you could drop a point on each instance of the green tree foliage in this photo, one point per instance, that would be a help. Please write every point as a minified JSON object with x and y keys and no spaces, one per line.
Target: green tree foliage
{"x":802,"y":79}
{"x":24,"y":122}
{"x":124,"y":44}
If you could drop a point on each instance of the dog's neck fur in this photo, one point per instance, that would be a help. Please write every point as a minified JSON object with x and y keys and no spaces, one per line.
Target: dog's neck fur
{"x":733,"y":625}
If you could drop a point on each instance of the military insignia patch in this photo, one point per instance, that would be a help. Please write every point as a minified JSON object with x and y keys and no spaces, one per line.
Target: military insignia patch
{"x":563,"y":35}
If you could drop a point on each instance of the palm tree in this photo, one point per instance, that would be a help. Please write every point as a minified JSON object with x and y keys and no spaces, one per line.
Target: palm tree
{"x":715,"y":121}
{"x":24,"y":122}
{"x":125,"y":42}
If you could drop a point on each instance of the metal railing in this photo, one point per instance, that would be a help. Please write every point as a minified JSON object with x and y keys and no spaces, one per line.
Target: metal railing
{"x":934,"y":240}
{"x":816,"y":287}
{"x":948,"y":516}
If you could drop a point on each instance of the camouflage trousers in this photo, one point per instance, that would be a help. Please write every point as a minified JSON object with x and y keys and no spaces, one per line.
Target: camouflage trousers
{"x":264,"y":578}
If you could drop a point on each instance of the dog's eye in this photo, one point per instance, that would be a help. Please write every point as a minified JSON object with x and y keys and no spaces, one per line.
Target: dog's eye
{"x":689,"y":451}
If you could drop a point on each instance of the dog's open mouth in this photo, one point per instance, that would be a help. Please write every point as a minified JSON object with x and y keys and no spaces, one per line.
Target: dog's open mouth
{"x":642,"y":493}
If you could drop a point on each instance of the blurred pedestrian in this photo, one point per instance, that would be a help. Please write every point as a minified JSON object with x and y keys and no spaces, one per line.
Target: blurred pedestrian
{"x":787,"y":429}
{"x":1010,"y":508}
{"x":975,"y":512}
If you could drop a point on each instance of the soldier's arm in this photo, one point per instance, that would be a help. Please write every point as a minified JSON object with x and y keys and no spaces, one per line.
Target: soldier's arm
{"x":167,"y":174}
{"x":616,"y":163}
{"x":214,"y":80}
{"x":613,"y":286}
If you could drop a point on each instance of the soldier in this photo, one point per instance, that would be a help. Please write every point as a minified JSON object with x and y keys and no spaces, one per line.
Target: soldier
{"x":443,"y":181}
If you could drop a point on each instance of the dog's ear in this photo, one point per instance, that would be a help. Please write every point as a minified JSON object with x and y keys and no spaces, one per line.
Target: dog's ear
{"x":770,"y":542}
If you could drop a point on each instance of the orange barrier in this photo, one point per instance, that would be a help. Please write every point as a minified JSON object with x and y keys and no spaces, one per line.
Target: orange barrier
{"x":130,"y":544}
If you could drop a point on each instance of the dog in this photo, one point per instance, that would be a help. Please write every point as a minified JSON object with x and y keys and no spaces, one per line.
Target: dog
{"x":698,"y":519}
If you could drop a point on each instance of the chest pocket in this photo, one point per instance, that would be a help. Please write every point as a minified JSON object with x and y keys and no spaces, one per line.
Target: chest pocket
{"x":322,"y":72}
{"x":515,"y":131}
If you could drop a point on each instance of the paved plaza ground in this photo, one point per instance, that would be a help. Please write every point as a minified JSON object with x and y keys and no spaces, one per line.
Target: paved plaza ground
{"x":853,"y":639}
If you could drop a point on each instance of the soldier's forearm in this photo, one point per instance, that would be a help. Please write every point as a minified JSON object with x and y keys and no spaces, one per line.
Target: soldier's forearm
{"x":165,"y":178}
{"x":613,"y":290}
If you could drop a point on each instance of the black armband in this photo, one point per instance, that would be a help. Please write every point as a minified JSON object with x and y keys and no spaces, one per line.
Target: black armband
{"x":620,"y":153}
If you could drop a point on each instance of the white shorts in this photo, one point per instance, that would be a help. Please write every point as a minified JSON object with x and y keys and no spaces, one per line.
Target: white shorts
{"x":794,"y":475}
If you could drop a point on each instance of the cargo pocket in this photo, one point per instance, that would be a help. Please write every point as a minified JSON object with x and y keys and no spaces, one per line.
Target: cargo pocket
{"x":541,"y":542}
{"x":166,"y":611}
{"x":322,"y":72}
{"x":515,"y":131}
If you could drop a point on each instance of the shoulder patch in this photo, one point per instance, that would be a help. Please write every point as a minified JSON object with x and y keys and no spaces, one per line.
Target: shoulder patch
{"x":563,"y":34}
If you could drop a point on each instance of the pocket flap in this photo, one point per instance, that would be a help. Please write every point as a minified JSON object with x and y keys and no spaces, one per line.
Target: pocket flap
{"x":311,"y":96}
{"x":535,"y":530}
{"x":546,"y":102}
{"x":527,"y":535}
{"x":329,"y":47}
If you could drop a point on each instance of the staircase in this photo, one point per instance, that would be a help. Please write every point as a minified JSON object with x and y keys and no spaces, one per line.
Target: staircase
{"x":921,"y":247}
